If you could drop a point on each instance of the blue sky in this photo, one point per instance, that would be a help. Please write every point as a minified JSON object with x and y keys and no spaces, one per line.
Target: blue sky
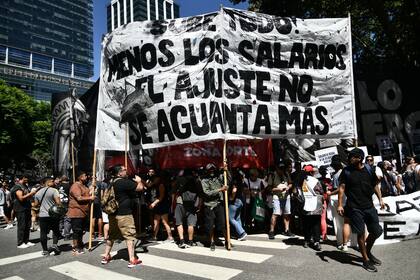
{"x":187,"y":8}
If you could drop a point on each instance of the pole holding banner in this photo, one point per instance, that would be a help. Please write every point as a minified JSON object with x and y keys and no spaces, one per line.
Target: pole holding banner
{"x":228,"y":246}
{"x":72,"y":160}
{"x":91,"y":225}
{"x":126,"y":147}
{"x":352,"y":85}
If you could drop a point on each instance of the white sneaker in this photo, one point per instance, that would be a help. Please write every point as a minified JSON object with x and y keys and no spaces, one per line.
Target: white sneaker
{"x":23,"y":246}
{"x":9,"y":226}
{"x":343,"y":247}
{"x":243,"y":237}
{"x":30,"y":244}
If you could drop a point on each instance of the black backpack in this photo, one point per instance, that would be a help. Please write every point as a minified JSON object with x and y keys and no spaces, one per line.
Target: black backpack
{"x":409,"y":179}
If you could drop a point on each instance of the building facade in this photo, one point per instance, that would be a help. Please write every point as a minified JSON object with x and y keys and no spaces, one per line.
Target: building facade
{"x":120,"y":12}
{"x":46,"y":46}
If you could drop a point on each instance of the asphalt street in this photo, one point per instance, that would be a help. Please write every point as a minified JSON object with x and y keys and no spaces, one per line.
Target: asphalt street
{"x":256,"y":258}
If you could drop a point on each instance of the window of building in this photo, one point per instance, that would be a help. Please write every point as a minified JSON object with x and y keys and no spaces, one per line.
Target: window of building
{"x":41,"y":62}
{"x":168,"y":10}
{"x":2,"y":53}
{"x":160,"y":8}
{"x":121,"y":11}
{"x":81,"y":71}
{"x":152,"y":10}
{"x":128,"y":11}
{"x":114,"y":7}
{"x":19,"y":57}
{"x":62,"y":66}
{"x":108,"y":18}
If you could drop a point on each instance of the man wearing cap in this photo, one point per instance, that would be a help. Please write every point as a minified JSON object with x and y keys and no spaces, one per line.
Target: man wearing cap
{"x":121,"y":223}
{"x":214,"y":213}
{"x":359,"y":183}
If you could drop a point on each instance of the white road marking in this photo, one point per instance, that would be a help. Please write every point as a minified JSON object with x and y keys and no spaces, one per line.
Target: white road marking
{"x":20,"y":258}
{"x":190,"y":268}
{"x":13,"y":278}
{"x":220,"y":252}
{"x":82,"y":271}
{"x":260,"y":244}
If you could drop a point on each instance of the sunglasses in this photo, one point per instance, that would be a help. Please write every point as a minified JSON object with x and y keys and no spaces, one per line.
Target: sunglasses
{"x":370,"y":159}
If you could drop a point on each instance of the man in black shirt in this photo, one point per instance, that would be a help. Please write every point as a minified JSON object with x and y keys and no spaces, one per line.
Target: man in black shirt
{"x":22,"y":196}
{"x":121,"y":224}
{"x":358,"y":181}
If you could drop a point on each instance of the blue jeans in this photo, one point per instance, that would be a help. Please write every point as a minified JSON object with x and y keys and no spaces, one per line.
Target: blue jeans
{"x":235,"y":216}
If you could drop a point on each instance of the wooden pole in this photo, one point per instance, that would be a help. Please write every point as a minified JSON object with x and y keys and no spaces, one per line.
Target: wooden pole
{"x":126,"y":147}
{"x":91,"y":203}
{"x":226,"y":196}
{"x":72,"y":161}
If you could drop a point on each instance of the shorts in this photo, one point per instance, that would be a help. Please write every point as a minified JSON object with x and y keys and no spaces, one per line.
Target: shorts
{"x":361,"y":217}
{"x":122,"y":227}
{"x":77,"y":226}
{"x":281,"y":206}
{"x":214,"y":218}
{"x":161,"y":209}
{"x":97,"y":211}
{"x":105,"y":218}
{"x":181,"y":213}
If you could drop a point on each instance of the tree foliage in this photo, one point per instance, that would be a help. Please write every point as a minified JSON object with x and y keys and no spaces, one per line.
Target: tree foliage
{"x":25,"y":129}
{"x":384,"y":32}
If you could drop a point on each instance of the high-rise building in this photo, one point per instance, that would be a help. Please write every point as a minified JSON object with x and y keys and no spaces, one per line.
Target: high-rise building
{"x":120,"y":12}
{"x":46,"y":45}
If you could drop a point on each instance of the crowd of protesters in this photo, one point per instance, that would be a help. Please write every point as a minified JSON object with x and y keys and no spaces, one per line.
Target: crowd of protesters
{"x":286,"y":199}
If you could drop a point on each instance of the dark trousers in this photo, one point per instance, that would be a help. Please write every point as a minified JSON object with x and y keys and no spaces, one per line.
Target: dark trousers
{"x":77,"y":226}
{"x":23,"y":226}
{"x":46,"y":224}
{"x":312,"y":227}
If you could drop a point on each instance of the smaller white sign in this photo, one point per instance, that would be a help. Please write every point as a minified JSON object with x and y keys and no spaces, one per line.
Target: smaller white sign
{"x":377,"y":159}
{"x":324,"y":156}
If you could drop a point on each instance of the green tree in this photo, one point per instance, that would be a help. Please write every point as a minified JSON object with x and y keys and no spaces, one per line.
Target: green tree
{"x":384,"y":32}
{"x":16,"y":114}
{"x":25,"y":129}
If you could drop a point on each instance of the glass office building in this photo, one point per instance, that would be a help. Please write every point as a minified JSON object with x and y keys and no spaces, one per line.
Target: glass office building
{"x":120,"y":12}
{"x":46,"y":46}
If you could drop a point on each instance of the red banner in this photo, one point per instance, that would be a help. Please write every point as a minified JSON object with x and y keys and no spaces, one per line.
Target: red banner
{"x":240,"y":153}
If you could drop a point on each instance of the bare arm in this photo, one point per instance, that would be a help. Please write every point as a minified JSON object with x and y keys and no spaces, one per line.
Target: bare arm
{"x":340,"y":208}
{"x":379,"y":195}
{"x":140,"y":184}
{"x":21,"y":197}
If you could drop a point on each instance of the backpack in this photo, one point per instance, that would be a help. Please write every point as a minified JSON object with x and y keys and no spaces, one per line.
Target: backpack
{"x":409,"y":179}
{"x":109,"y":203}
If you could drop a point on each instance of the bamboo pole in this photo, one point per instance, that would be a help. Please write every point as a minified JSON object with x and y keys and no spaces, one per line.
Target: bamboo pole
{"x":226,"y":196}
{"x":91,"y":225}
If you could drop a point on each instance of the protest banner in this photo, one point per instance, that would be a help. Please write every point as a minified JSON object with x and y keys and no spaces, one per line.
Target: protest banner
{"x":241,"y":154}
{"x":400,"y":219}
{"x":323,"y":157}
{"x":69,"y":120}
{"x":225,"y":75}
